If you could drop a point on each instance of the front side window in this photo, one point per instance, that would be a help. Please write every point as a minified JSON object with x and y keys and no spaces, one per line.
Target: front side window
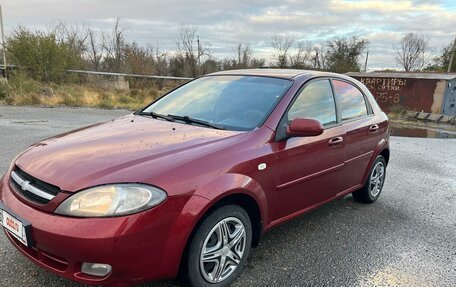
{"x":233,"y":102}
{"x":352,"y":103}
{"x":315,"y":101}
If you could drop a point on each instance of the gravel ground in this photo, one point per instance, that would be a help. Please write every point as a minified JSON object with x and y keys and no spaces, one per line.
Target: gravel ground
{"x":407,"y":238}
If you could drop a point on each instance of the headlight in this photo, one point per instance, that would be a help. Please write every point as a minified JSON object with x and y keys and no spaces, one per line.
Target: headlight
{"x":112,"y":200}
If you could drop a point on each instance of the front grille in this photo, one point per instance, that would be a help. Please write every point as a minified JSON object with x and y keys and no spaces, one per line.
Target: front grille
{"x":49,"y":188}
{"x":32,"y":188}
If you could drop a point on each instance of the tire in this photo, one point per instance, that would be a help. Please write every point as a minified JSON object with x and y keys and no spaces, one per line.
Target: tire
{"x":230,"y":220}
{"x":371,"y":190}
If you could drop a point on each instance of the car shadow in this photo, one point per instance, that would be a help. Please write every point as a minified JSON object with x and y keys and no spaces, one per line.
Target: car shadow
{"x":314,"y":243}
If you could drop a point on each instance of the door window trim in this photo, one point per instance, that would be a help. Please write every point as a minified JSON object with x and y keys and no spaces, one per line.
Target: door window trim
{"x":370,"y":111}
{"x":280,"y":129}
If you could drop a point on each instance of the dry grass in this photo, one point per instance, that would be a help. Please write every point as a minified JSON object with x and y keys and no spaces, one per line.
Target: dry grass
{"x":23,"y":91}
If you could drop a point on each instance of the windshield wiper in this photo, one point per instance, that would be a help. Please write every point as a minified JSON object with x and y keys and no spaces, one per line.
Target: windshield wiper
{"x":191,"y":120}
{"x":156,"y":116}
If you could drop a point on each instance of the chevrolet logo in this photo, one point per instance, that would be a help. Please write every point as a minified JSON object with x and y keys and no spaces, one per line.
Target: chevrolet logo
{"x":25,"y":185}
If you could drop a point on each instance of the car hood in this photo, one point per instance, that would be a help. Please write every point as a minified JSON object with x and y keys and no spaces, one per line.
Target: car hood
{"x":130,"y":148}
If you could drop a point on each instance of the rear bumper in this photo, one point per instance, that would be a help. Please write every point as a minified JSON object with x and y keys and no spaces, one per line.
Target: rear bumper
{"x":139,"y":247}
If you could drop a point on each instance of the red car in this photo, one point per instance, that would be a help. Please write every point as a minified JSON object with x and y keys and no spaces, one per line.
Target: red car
{"x":190,"y":183}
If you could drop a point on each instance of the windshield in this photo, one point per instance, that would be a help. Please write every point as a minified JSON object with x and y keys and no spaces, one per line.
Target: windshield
{"x":232,"y":102}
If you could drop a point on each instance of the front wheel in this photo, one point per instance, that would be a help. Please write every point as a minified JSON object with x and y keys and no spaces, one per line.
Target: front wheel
{"x":219,"y":248}
{"x":374,"y":184}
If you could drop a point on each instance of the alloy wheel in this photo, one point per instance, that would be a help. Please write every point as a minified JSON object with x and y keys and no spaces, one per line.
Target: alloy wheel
{"x":376,"y":179}
{"x":223,"y":250}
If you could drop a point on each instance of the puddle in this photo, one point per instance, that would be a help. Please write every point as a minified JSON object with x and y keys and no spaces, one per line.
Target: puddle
{"x":402,"y":131}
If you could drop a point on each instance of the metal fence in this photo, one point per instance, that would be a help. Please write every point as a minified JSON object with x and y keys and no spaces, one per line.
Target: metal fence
{"x":129,"y":75}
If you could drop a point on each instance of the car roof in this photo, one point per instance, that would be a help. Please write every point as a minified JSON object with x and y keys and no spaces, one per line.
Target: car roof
{"x":278,"y":73}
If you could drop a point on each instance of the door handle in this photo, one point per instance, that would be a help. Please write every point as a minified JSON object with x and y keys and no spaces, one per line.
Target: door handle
{"x":336,"y":141}
{"x":373,"y":128}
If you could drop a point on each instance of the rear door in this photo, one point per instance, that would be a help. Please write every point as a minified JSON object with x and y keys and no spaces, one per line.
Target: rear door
{"x":309,"y":168}
{"x":361,"y":131}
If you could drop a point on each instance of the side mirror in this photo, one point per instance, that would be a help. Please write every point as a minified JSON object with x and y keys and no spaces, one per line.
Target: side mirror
{"x":304,"y":128}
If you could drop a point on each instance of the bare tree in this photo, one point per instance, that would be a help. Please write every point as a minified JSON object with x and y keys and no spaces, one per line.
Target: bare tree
{"x":161,"y":60}
{"x":94,"y":52}
{"x":243,"y":55}
{"x":71,"y":35}
{"x":318,"y":58}
{"x":302,"y":58}
{"x":412,"y":52}
{"x":257,"y":62}
{"x":243,"y":58}
{"x":191,"y":49}
{"x":281,"y":45}
{"x":114,"y":47}
{"x":138,"y":59}
{"x":74,"y":38}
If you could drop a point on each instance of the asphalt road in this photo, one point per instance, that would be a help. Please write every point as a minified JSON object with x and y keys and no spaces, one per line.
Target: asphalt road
{"x":406,"y":238}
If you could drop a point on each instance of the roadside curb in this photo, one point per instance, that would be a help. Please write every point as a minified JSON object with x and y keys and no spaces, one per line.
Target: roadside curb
{"x":428,"y":117}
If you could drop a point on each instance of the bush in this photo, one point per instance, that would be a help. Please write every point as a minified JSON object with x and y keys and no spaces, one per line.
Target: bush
{"x":153,"y":93}
{"x":69,"y":100}
{"x":19,"y":86}
{"x":134,"y":92}
{"x":22,"y":84}
{"x":105,"y":104}
{"x":42,"y":55}
{"x":4,"y":89}
{"x":126,"y":99}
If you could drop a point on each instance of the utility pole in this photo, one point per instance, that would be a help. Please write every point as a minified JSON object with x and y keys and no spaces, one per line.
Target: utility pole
{"x":3,"y":44}
{"x":452,"y":56}
{"x":365,"y":64}
{"x":199,"y":50}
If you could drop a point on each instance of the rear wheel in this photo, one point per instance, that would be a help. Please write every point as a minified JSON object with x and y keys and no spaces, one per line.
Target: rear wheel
{"x":219,"y":248}
{"x":374,"y":184}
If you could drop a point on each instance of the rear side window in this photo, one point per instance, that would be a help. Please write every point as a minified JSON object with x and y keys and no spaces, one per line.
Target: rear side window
{"x":315,"y":101}
{"x":351,"y":100}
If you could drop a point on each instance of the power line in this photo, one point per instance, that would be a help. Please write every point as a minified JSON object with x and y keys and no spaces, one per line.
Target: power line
{"x":421,"y":22}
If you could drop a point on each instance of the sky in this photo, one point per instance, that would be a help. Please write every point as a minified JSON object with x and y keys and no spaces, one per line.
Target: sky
{"x":224,"y":24}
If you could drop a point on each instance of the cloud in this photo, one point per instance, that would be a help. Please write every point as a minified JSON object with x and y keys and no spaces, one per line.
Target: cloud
{"x":383,"y":6}
{"x":224,"y":24}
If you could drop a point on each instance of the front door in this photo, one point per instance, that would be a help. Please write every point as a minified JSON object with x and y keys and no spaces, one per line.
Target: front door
{"x":309,"y":168}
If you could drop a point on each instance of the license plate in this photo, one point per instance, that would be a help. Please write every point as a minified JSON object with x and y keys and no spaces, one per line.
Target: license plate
{"x":16,"y":227}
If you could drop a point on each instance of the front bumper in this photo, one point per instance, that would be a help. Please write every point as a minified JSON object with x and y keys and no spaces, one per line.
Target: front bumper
{"x":139,"y":247}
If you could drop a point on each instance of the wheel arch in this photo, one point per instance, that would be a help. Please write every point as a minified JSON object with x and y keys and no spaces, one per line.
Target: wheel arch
{"x":236,"y":197}
{"x":241,"y":190}
{"x":231,"y":188}
{"x":249,"y":204}
{"x":386,"y":154}
{"x":381,"y":149}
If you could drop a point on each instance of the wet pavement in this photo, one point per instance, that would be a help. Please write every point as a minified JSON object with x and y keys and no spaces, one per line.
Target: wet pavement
{"x":406,"y":238}
{"x":421,"y":132}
